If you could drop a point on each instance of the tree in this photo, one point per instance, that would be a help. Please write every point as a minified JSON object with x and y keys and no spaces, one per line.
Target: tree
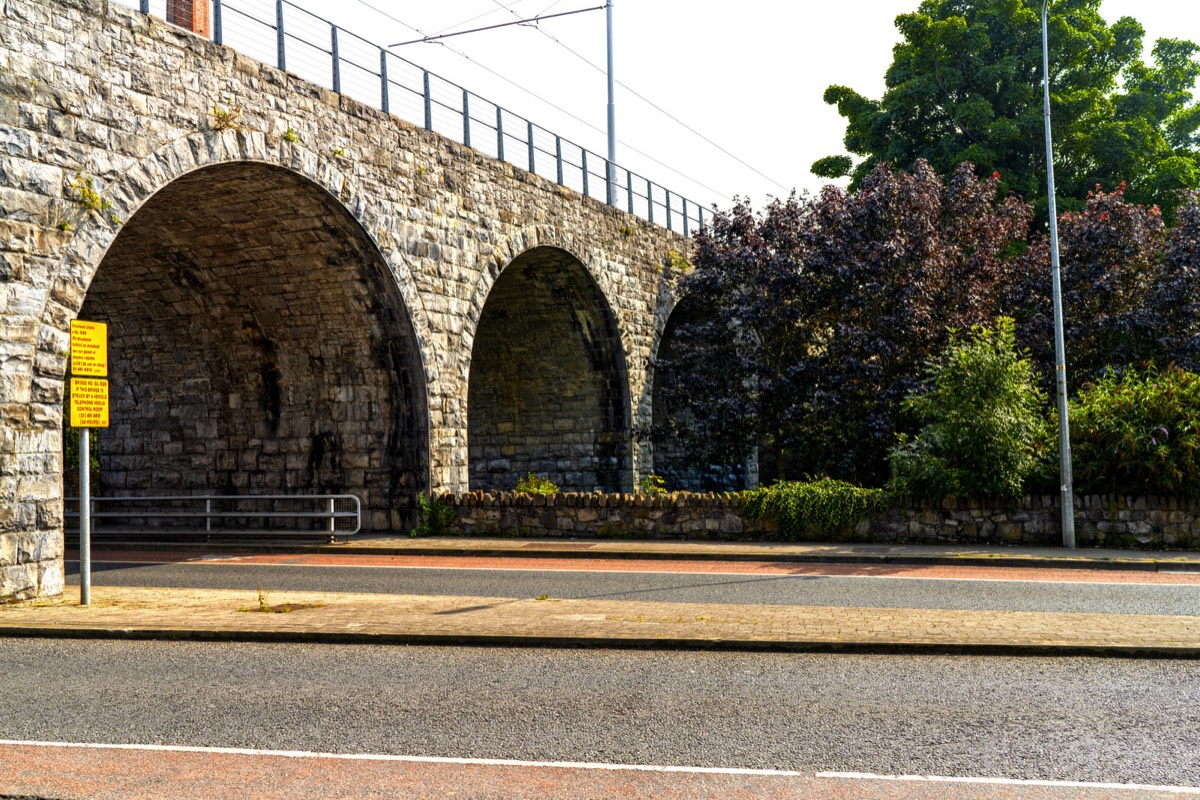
{"x":814,"y":319}
{"x":965,"y":85}
{"x":727,"y":368}
{"x":1130,"y":289}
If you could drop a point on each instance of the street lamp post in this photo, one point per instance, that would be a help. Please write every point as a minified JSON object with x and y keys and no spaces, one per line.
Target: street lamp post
{"x":1060,"y":358}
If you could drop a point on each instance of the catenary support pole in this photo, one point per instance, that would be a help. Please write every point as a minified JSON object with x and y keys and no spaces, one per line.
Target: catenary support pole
{"x":1060,"y":358}
{"x":612,"y":112}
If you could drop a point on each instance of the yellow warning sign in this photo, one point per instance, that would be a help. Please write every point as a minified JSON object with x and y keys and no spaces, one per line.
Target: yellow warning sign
{"x":89,"y":348}
{"x":89,"y":403}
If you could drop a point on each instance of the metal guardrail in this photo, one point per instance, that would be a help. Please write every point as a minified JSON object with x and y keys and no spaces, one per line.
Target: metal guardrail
{"x":320,"y":51}
{"x":324,"y":516}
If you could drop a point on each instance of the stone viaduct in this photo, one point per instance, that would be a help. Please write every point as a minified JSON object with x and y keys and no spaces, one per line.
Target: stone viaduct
{"x":303,"y":294}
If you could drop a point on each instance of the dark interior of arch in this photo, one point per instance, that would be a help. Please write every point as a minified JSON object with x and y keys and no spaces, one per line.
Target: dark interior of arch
{"x":547,"y":385}
{"x":257,"y":345}
{"x":680,"y":470}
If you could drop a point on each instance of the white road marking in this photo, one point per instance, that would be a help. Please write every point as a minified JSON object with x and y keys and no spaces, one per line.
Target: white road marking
{"x":499,"y":762}
{"x":867,"y":776}
{"x":486,"y":762}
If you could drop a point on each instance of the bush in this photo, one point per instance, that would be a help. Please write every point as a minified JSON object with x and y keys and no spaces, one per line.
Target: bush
{"x":983,"y":415}
{"x":1138,"y":433}
{"x":821,"y":507}
{"x":434,"y":517}
{"x":535,"y":484}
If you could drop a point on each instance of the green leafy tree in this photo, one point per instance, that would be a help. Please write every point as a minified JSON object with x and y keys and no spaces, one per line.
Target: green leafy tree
{"x":983,"y":421}
{"x":965,"y":85}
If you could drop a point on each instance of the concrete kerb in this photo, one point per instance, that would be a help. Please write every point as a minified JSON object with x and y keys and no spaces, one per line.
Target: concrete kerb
{"x":584,"y":643}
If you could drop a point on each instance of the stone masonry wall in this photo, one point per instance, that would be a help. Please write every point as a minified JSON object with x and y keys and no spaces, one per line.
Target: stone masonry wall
{"x":1100,"y":521}
{"x":93,"y":94}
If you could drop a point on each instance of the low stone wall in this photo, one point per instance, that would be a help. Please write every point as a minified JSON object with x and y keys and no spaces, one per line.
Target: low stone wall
{"x":678,"y":515}
{"x":1100,"y":520}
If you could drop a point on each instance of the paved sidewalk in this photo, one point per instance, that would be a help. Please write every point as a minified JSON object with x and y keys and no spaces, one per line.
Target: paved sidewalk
{"x":406,"y":619}
{"x":393,"y":544}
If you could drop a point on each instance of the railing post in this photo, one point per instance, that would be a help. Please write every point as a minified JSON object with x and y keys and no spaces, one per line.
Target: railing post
{"x":218,"y":30}
{"x":532,"y":164}
{"x":499,"y":133}
{"x":558,"y":157}
{"x":428,"y":101}
{"x":701,"y":216}
{"x":466,"y":118}
{"x":383,"y":81}
{"x":685,"y":219}
{"x":669,"y":209}
{"x":629,"y":188}
{"x":144,"y":7}
{"x":585,"y":173}
{"x":207,"y":512}
{"x":332,"y":520}
{"x":649,"y":201}
{"x":337,"y":59}
{"x":610,"y":196}
{"x":280,"y":38}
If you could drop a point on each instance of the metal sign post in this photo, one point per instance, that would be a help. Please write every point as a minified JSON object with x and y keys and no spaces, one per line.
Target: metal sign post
{"x":85,"y":517}
{"x":89,"y":409}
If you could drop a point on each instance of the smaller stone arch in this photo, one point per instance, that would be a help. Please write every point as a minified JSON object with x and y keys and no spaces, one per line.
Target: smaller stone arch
{"x":548,"y":384}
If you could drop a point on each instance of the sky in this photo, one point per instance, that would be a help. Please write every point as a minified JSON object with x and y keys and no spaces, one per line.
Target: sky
{"x":740,"y":82}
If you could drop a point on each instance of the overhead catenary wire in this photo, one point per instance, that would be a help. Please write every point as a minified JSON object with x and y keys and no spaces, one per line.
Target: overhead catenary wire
{"x":686,"y":176}
{"x":645,"y":99}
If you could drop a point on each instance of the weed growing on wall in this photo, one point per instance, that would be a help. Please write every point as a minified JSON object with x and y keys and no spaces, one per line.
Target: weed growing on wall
{"x":653,"y":484}
{"x":434,"y":517}
{"x":817,"y":508}
{"x":536,"y":484}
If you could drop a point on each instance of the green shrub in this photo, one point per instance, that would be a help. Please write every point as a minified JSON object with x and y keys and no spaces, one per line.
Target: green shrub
{"x":535,"y":484}
{"x":983,"y":421}
{"x":434,"y":517}
{"x":1138,"y":433}
{"x":821,"y":507}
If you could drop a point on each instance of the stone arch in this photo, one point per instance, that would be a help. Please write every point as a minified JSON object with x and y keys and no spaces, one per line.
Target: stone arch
{"x":547,"y":384}
{"x":333,"y":399}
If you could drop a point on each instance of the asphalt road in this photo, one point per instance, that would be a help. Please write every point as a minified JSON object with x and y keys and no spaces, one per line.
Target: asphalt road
{"x":811,"y":590}
{"x":1125,"y":721}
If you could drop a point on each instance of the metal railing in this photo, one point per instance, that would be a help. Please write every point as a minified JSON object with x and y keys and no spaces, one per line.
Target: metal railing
{"x":294,"y":39}
{"x":323,"y":516}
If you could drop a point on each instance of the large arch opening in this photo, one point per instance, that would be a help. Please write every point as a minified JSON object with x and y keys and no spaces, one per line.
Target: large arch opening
{"x":548,"y":390}
{"x":258,"y":345}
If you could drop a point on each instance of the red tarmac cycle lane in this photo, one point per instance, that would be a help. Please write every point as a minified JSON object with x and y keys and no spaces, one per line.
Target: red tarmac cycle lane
{"x":931,"y":571}
{"x":128,"y":773}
